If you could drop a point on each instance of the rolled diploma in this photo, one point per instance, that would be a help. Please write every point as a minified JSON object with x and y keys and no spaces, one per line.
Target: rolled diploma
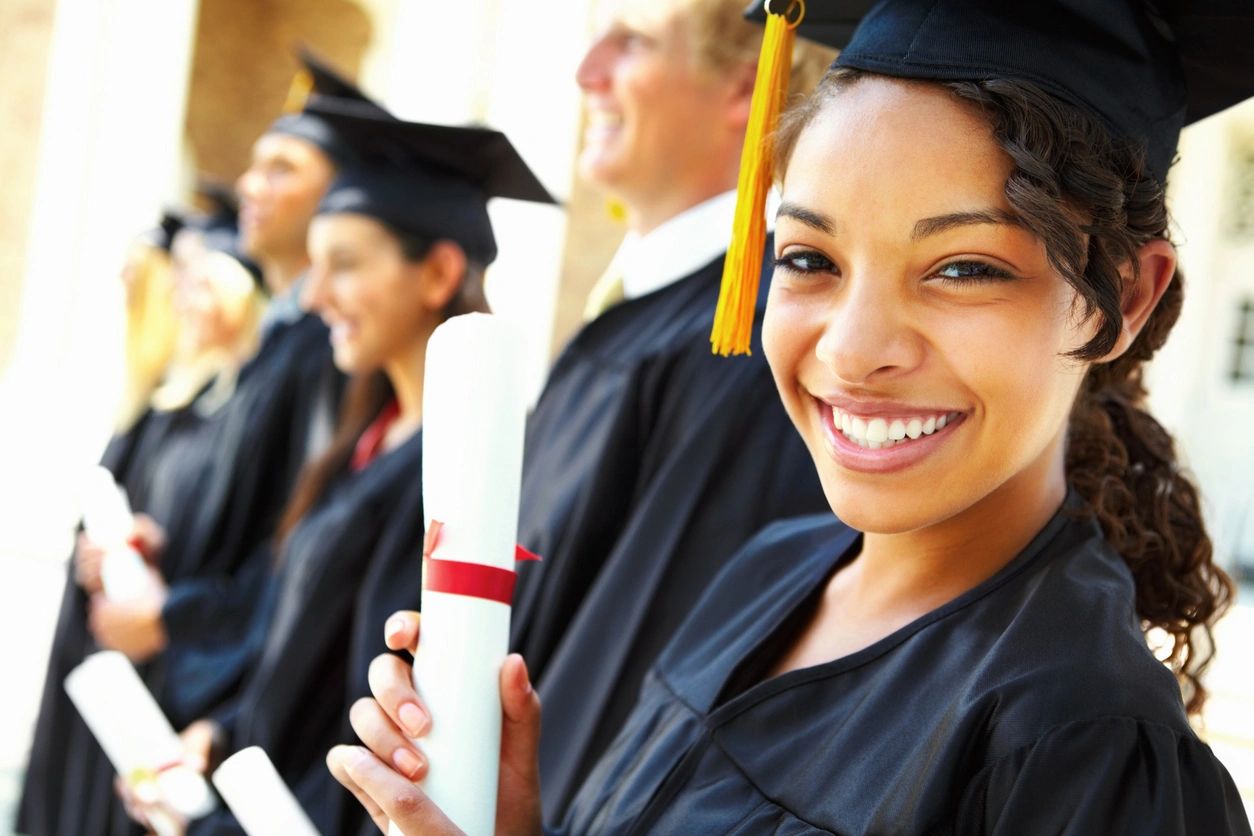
{"x":256,"y":794}
{"x":136,"y":737}
{"x":107,"y":519}
{"x":474,"y":408}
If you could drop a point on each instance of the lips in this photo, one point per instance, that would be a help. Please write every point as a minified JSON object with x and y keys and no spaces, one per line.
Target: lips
{"x":896,"y":439}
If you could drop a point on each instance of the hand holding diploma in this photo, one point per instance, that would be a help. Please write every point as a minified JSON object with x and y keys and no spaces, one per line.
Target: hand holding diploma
{"x":138,"y":740}
{"x":382,"y":774}
{"x":111,"y":554}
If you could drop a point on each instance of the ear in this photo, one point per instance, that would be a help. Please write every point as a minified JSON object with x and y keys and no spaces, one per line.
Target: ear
{"x":442,"y":272}
{"x":1157,"y":266}
{"x":739,"y":88}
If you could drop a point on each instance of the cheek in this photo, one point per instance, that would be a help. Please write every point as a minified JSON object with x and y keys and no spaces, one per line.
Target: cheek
{"x":790,"y":331}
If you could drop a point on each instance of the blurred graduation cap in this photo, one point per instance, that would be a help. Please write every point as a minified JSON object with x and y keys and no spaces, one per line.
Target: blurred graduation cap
{"x":317,"y":78}
{"x":1144,"y":68}
{"x":162,"y":235}
{"x":429,"y":181}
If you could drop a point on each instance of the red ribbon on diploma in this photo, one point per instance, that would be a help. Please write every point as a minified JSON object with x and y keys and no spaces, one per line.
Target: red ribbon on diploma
{"x":473,"y":580}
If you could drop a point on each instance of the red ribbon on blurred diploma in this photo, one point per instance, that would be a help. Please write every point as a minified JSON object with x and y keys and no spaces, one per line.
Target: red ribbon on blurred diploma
{"x":473,"y":580}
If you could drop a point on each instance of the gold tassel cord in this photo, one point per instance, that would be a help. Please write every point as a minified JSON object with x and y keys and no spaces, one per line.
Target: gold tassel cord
{"x":298,"y":93}
{"x":733,"y":319}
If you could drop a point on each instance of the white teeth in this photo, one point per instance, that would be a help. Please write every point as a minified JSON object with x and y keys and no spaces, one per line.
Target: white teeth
{"x":879,"y":433}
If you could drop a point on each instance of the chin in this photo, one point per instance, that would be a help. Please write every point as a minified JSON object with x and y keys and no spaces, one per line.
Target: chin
{"x":874,"y":513}
{"x":598,"y":166}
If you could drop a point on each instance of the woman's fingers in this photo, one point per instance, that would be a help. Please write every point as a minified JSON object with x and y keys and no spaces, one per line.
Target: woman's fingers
{"x":401,"y":631}
{"x":400,"y":799}
{"x":385,"y":739}
{"x":518,"y":802}
{"x":337,"y":760}
{"x":391,"y":682}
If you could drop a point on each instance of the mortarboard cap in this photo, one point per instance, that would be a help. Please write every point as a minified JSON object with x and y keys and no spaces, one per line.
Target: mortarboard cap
{"x":429,"y":181}
{"x":162,"y":235}
{"x":1144,"y":69}
{"x":317,"y":77}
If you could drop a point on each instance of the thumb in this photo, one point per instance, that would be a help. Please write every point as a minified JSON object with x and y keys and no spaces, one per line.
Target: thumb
{"x":518,"y":808}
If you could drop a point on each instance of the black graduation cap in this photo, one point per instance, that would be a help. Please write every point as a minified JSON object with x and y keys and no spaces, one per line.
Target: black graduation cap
{"x":162,"y":235}
{"x":1145,"y":69}
{"x":429,"y":181}
{"x":318,"y":78}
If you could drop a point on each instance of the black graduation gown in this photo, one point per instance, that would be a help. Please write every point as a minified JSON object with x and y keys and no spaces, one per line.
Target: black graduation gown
{"x":1030,"y":704}
{"x":648,"y":461}
{"x":68,"y":784}
{"x":295,"y":700}
{"x":284,"y":399}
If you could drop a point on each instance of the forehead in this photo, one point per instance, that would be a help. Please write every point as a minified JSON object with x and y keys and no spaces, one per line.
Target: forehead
{"x":889,"y":146}
{"x":278,"y":146}
{"x":655,"y":17}
{"x":347,"y":229}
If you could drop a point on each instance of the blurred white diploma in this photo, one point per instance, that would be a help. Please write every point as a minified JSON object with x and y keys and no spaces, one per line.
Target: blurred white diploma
{"x":256,"y":794}
{"x":137,"y":738}
{"x":108,"y":521}
{"x":474,"y":407}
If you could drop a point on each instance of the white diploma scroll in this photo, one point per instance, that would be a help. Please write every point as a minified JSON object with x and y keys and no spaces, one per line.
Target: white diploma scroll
{"x":474,"y":407}
{"x":256,"y":794}
{"x":108,"y":521}
{"x":137,"y":738}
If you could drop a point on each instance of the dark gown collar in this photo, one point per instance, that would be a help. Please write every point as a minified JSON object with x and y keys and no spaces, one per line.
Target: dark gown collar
{"x":806,"y":553}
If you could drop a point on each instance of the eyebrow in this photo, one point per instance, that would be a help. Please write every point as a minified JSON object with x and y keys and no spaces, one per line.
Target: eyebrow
{"x":944,"y":223}
{"x":815,"y":220}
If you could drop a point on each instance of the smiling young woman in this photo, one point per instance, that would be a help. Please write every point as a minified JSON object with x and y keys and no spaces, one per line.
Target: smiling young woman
{"x":970,"y":275}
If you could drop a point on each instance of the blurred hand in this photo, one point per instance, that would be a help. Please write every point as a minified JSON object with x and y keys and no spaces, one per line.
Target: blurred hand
{"x":148,"y":810}
{"x":148,"y":538}
{"x":381,"y":775}
{"x":88,"y":557}
{"x":133,"y":627}
{"x":199,"y":740}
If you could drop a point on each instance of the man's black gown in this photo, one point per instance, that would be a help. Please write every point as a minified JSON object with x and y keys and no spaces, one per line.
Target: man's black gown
{"x":648,"y":462}
{"x":1029,"y":705}
{"x":295,"y":701}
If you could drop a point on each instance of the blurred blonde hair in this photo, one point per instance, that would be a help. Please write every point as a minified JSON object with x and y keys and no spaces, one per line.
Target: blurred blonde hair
{"x":151,"y":329}
{"x":722,"y":39}
{"x":244,"y":303}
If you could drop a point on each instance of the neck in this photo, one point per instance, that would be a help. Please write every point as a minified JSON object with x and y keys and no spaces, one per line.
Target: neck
{"x":646,"y":213}
{"x":405,"y":372}
{"x":282,"y":272}
{"x":936,"y":564}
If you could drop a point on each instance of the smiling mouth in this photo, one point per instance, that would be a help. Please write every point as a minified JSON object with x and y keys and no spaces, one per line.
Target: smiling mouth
{"x":878,"y":433}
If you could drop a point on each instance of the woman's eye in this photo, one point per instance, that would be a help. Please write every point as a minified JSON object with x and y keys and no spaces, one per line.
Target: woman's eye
{"x":804,"y":262}
{"x":972,"y":271}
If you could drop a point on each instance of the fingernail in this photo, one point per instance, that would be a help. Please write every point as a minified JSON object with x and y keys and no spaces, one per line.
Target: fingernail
{"x":407,"y":762}
{"x":394,"y":627}
{"x":525,"y":675}
{"x":414,"y":719}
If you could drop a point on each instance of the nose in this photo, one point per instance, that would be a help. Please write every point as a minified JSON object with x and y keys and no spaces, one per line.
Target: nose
{"x":869,"y":335}
{"x":249,"y":184}
{"x":314,"y":293}
{"x":592,"y":73}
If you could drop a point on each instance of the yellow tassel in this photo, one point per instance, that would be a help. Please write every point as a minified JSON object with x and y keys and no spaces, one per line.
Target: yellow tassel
{"x":298,"y":93}
{"x":737,"y":301}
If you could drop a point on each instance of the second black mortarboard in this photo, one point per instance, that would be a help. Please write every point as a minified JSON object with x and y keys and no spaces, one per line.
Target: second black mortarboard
{"x":428,"y":181}
{"x":317,"y":78}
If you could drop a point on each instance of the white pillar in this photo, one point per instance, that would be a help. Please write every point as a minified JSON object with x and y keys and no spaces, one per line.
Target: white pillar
{"x":109,"y":156}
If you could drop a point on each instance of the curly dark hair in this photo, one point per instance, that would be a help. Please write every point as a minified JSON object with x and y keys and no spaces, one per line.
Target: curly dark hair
{"x":1090,"y":199}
